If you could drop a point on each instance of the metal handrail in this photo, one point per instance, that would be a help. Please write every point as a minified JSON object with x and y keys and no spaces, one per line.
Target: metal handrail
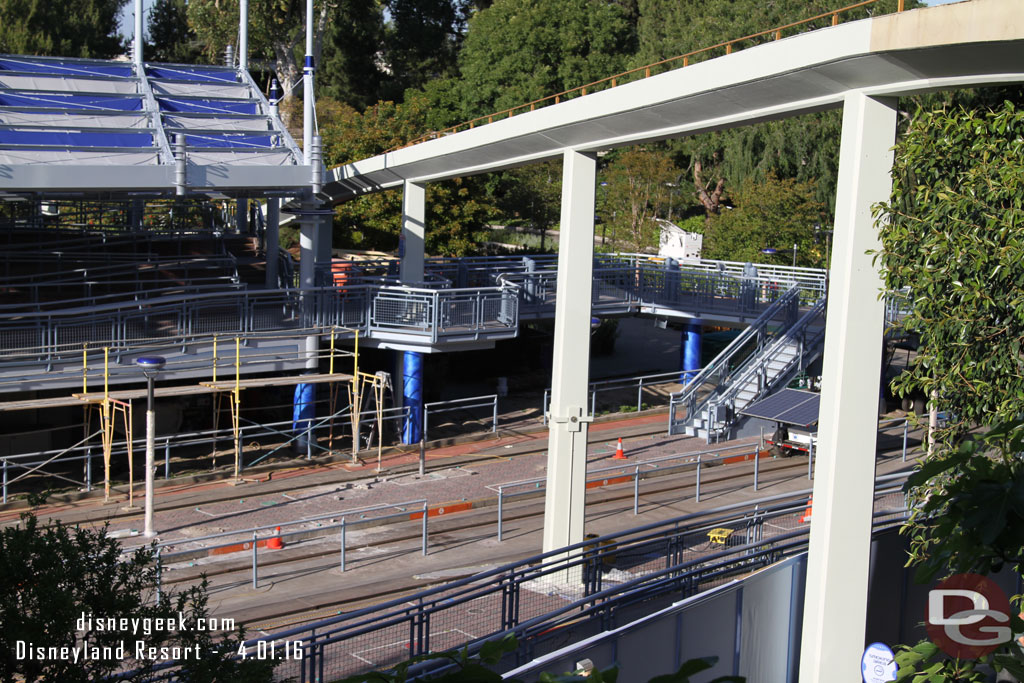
{"x":585,"y":558}
{"x":721,"y":361}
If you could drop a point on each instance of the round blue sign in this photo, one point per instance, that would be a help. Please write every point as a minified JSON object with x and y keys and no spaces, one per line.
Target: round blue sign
{"x":878,"y":665}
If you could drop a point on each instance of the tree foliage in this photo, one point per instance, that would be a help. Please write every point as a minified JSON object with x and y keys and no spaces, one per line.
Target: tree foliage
{"x":352,"y":71}
{"x":805,"y":148}
{"x":72,"y":28}
{"x":454,"y":207}
{"x":52,"y":576}
{"x":776,"y":213}
{"x":639,"y":189}
{"x":953,"y":236}
{"x":952,"y":243}
{"x":520,"y":50}
{"x":171,"y":39}
{"x":277,"y":35}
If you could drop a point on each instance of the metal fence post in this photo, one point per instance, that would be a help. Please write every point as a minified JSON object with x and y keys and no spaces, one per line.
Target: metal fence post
{"x":810,"y":459}
{"x":698,"y":478}
{"x":544,"y":409}
{"x":636,"y":491}
{"x":425,"y":511}
{"x":88,"y":469}
{"x":640,"y":395}
{"x":423,"y":452}
{"x":501,"y":508}
{"x":757,"y":462}
{"x":5,"y":481}
{"x":159,"y":572}
{"x":593,"y":401}
{"x":494,"y":416}
{"x":254,"y":578}
{"x":167,"y":458}
{"x":905,"y":425}
{"x":342,"y":544}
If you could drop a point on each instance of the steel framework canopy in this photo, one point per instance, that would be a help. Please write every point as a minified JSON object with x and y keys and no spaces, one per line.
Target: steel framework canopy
{"x":106,"y":127}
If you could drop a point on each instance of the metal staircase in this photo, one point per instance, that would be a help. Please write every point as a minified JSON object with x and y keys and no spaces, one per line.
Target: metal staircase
{"x":757,"y":362}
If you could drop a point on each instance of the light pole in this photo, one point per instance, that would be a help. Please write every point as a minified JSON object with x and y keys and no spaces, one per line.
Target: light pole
{"x":150,"y":366}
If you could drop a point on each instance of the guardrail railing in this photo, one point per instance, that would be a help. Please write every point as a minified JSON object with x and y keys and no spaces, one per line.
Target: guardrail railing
{"x":649,"y":561}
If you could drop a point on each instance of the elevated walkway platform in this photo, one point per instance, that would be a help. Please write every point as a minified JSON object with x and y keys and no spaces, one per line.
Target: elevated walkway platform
{"x":465,"y":303}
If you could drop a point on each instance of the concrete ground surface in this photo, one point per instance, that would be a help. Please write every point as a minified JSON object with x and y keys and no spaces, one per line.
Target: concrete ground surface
{"x":303,"y":581}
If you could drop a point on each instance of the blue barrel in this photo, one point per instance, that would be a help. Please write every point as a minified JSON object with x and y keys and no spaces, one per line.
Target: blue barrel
{"x":690,"y":356}
{"x":412,"y":395}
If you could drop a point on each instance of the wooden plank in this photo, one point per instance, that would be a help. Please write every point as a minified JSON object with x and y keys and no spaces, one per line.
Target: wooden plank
{"x":78,"y":399}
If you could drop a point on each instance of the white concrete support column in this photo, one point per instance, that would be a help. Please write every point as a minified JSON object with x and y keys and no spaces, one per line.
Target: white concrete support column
{"x":414,"y":230}
{"x":273,"y":242}
{"x":139,"y":36}
{"x":243,"y":35}
{"x":308,"y":228}
{"x":840,"y":543}
{"x":567,"y":440}
{"x":308,"y":104}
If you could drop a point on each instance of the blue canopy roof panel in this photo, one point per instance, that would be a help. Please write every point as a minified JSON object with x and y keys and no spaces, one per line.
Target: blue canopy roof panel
{"x":181,"y":72}
{"x":88,"y":125}
{"x":230,"y":140}
{"x":38,"y":138}
{"x":58,"y":100}
{"x":64,"y":67}
{"x":200,"y":106}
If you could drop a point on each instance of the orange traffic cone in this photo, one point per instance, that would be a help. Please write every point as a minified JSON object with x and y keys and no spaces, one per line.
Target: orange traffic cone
{"x":275,"y":542}
{"x":807,"y":513}
{"x":619,"y":455}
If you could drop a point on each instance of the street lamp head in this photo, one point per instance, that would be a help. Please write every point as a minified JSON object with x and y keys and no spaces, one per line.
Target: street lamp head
{"x":150,"y":365}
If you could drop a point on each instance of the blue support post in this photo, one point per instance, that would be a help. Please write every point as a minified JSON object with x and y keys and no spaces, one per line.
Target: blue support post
{"x":412,"y":395}
{"x":304,"y":410}
{"x":691,"y":347}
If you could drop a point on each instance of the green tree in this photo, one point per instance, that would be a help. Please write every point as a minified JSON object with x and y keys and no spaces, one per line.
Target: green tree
{"x":277,"y":35}
{"x":775,"y":213}
{"x":455,"y":208}
{"x":639,"y":190}
{"x":532,"y":193}
{"x":805,"y":148}
{"x":74,"y":28}
{"x":520,"y":50}
{"x":53,"y":576}
{"x":170,"y":37}
{"x":953,"y":235}
{"x":422,"y":41}
{"x":352,"y":70}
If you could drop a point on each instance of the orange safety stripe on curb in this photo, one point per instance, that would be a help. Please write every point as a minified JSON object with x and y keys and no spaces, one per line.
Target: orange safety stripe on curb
{"x":609,"y":481}
{"x":443,"y":510}
{"x":744,"y":458}
{"x":237,"y":547}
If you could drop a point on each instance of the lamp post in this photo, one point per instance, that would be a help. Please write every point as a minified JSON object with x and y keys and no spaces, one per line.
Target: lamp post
{"x":150,"y":366}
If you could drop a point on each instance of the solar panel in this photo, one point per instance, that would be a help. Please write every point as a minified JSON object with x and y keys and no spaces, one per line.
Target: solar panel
{"x":789,"y":406}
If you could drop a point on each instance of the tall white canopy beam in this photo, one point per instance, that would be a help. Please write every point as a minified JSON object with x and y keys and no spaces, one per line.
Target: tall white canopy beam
{"x":414,"y":223}
{"x":835,"y":602}
{"x":567,"y":440}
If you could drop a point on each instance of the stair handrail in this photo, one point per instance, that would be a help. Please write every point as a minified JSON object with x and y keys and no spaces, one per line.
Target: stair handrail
{"x":688,"y":393}
{"x":756,"y":361}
